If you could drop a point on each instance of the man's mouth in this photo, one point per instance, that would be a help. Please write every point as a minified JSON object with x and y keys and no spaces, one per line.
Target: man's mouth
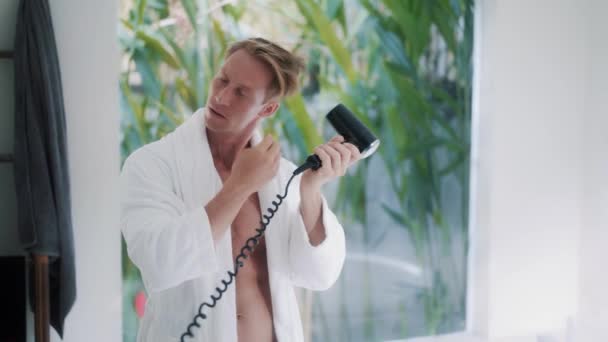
{"x":214,"y":112}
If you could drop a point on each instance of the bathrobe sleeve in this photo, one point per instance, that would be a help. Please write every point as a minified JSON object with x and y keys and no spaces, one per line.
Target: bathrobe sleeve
{"x":167,"y":242}
{"x":314,"y":267}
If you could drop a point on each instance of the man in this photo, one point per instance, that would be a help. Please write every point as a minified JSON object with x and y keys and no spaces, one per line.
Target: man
{"x":193,"y":198}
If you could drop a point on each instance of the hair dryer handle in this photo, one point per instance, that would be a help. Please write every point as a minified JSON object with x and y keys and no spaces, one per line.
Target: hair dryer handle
{"x":312,"y":162}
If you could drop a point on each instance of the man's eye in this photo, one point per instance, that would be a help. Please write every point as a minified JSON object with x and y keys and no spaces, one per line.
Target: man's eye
{"x":239,"y":92}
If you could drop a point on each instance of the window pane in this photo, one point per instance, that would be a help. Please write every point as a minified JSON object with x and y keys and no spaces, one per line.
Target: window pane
{"x":404,"y":68}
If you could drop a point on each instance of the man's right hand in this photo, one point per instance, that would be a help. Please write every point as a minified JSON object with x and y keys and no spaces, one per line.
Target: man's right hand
{"x":255,"y":166}
{"x":251,"y":169}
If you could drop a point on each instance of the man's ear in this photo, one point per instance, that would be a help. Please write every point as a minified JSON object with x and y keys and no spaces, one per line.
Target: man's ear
{"x":269,"y":108}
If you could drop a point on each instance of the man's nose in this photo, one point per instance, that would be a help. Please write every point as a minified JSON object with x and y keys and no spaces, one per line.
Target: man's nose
{"x":223,"y":96}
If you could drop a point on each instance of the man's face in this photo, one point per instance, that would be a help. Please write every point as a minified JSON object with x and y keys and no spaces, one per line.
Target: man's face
{"x":238,"y":94}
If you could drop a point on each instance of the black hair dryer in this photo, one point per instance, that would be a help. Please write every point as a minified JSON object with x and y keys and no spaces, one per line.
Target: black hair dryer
{"x":353,"y":131}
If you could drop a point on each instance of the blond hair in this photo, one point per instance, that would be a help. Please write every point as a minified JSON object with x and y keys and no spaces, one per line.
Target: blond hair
{"x":285,"y":66}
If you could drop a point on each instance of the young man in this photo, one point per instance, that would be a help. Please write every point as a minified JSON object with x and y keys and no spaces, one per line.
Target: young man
{"x":193,"y":198}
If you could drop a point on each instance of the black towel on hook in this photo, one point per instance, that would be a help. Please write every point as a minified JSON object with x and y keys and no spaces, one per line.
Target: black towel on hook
{"x":40,"y":160}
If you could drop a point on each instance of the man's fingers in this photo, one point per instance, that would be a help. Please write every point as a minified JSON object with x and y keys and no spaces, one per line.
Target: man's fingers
{"x":277,"y":159}
{"x":336,"y":160}
{"x":266,"y":143}
{"x":342,"y":148}
{"x":345,"y":153}
{"x":337,"y":138}
{"x":275,"y":148}
{"x":325,"y":158}
{"x":355,"y":153}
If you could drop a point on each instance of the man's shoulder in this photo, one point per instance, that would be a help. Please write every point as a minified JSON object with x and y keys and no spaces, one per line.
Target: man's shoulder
{"x":146,"y":157}
{"x":161,"y":149}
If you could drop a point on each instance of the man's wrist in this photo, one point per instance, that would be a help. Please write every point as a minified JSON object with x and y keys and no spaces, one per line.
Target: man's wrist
{"x":311,"y":207}
{"x":310,"y":192}
{"x":308,"y":183}
{"x":236,"y":190}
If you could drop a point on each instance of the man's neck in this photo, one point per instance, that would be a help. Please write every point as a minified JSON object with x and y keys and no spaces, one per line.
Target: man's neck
{"x":224,"y":147}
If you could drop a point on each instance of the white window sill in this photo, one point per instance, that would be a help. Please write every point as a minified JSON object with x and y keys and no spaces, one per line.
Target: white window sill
{"x":468,"y":337}
{"x":455,"y":337}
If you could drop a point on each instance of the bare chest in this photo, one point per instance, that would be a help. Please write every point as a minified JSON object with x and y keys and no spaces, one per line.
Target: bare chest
{"x":244,"y":227}
{"x":253,"y":299}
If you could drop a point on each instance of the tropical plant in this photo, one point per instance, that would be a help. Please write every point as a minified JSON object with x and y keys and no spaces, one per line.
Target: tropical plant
{"x":403,"y":66}
{"x":406,"y":70}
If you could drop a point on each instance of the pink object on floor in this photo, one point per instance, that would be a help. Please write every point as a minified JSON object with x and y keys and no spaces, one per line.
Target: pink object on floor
{"x":140,"y":303}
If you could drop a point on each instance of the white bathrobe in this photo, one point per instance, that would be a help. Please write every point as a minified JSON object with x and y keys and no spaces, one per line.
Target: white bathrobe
{"x":166,"y":185}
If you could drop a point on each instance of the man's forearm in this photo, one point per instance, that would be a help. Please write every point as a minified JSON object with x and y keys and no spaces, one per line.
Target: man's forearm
{"x":224,"y":207}
{"x":311,"y":207}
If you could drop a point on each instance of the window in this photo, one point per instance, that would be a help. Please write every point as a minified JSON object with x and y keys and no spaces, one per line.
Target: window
{"x":405,"y":69}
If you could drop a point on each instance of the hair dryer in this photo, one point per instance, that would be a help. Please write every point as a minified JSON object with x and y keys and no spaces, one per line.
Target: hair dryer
{"x":353,"y":131}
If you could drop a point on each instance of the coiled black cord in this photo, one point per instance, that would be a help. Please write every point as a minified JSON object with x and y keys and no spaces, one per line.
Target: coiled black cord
{"x":246,"y":251}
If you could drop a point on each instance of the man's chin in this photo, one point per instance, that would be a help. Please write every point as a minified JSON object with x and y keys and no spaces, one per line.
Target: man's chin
{"x":212,"y":124}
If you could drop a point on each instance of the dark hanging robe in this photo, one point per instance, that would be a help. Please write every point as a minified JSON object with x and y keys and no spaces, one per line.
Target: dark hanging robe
{"x":41,"y":165}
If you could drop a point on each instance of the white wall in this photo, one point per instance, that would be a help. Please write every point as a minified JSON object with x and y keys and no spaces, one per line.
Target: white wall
{"x":532,"y":86}
{"x":85,"y":32}
{"x":593,"y":318}
{"x":86,"y":40}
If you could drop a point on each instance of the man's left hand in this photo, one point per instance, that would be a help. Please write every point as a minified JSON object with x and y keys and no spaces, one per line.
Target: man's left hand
{"x":336,"y":157}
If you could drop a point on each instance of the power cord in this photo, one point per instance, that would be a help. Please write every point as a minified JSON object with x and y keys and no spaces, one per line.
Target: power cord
{"x":312,"y":162}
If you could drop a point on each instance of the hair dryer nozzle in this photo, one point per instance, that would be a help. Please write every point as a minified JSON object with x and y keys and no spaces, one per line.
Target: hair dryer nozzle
{"x":353,"y":130}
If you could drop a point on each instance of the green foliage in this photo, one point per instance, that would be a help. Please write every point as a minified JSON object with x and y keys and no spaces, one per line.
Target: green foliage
{"x":392,"y":67}
{"x":402,"y":66}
